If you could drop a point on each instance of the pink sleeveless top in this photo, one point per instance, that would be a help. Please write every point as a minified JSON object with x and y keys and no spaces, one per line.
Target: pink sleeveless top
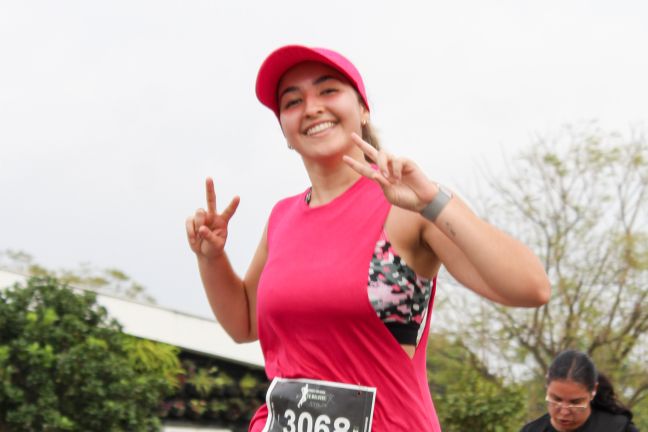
{"x":315,"y":319}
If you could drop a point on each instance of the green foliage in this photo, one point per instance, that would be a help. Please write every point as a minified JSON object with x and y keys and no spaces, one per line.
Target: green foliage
{"x":249,"y":385}
{"x":65,"y":365}
{"x":154,"y":358}
{"x":467,"y":397}
{"x":216,"y":392}
{"x":640,"y":411}
{"x":204,"y":381}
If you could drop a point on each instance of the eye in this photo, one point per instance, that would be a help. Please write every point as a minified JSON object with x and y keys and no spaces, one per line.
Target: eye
{"x":291,"y":102}
{"x":329,"y":90}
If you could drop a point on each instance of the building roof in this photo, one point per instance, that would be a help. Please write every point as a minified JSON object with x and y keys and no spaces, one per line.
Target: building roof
{"x":186,"y":331}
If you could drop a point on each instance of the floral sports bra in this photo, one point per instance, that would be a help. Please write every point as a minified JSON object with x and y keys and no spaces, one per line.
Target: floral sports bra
{"x":399,"y":296}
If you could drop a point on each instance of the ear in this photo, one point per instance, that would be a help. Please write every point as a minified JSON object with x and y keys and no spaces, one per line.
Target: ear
{"x":364,"y":115}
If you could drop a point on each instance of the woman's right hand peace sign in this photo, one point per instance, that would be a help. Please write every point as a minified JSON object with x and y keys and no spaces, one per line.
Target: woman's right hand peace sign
{"x":402,"y":181}
{"x":207,"y":230}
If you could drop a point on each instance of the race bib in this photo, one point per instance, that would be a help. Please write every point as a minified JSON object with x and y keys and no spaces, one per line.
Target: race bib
{"x":304,"y":405}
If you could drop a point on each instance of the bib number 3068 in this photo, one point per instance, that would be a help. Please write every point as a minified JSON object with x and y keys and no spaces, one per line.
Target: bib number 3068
{"x":322,"y":423}
{"x":304,"y":405}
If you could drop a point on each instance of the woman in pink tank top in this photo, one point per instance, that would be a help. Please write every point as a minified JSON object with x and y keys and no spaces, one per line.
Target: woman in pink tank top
{"x":341,"y":287}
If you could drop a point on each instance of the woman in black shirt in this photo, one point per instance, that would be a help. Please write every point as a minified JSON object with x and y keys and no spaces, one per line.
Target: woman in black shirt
{"x":579,"y":399}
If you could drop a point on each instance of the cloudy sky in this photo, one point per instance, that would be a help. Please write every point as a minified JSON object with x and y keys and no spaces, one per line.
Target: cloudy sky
{"x":112,"y":113}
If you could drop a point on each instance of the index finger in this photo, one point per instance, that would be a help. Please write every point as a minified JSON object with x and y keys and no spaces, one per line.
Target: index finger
{"x":211,"y":195}
{"x":366,"y":148}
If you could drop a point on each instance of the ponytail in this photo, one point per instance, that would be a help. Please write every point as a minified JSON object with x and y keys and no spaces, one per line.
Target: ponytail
{"x":606,"y":400}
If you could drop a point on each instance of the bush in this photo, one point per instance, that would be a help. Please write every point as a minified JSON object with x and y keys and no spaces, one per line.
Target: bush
{"x":466,"y":396}
{"x":66,"y":365}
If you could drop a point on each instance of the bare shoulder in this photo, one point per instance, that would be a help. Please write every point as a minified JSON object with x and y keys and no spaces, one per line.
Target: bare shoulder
{"x":404,"y":230}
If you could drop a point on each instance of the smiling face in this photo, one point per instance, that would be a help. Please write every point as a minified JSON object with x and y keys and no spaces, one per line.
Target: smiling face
{"x":564,"y":393}
{"x":318,"y":111}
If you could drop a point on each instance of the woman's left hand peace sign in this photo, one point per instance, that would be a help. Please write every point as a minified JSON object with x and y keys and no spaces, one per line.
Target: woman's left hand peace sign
{"x":402,"y":181}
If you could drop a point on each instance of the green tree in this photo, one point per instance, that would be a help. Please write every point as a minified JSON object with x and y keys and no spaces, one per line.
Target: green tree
{"x":580,"y":200}
{"x":66,"y":365}
{"x":466,"y":396}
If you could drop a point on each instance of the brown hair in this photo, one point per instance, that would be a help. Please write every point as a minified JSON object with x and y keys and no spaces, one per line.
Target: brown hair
{"x":368,"y":132}
{"x":369,"y":135}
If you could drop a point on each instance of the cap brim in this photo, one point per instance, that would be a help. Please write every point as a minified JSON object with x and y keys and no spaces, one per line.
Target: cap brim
{"x":277,"y":64}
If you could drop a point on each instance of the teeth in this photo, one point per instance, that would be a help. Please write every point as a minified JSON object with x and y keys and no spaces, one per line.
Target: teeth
{"x":319,"y":128}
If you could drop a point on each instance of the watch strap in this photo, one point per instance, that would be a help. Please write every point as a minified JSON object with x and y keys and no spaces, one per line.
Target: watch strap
{"x":433,"y":209}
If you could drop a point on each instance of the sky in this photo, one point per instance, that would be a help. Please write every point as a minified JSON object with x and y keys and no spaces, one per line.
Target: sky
{"x":112,"y":113}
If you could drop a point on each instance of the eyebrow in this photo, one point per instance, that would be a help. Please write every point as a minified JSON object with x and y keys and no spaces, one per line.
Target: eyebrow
{"x":317,"y":81}
{"x":323,"y":78}
{"x":558,"y":398}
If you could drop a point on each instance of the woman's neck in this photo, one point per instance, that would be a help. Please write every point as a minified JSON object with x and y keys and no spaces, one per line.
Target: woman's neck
{"x":329,"y":181}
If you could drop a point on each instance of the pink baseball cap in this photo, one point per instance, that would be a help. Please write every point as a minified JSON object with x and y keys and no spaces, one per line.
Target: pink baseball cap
{"x":282,"y":59}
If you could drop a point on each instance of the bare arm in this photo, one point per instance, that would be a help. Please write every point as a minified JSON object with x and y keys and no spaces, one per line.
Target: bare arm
{"x":480,"y":256}
{"x":485,"y":259}
{"x":232,"y":299}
